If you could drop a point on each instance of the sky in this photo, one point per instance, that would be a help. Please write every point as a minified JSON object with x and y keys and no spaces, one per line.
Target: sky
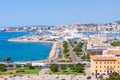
{"x":56,"y":12}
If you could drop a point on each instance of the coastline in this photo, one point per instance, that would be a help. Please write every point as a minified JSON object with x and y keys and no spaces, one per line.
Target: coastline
{"x":18,"y":40}
{"x":52,"y":51}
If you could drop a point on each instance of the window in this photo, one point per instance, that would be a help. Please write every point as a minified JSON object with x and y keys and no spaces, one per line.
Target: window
{"x":104,"y":66}
{"x":104,"y":62}
{"x":100,"y":66}
{"x":111,"y":62}
{"x":100,"y":62}
{"x":96,"y":62}
{"x":96,"y":66}
{"x":104,"y":70}
{"x":107,"y":62}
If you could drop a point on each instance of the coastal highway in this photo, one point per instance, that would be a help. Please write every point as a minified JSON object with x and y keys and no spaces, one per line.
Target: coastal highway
{"x":54,"y":59}
{"x":73,"y":56}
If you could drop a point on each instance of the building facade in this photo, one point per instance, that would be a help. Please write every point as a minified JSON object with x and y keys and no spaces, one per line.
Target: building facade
{"x":107,"y":63}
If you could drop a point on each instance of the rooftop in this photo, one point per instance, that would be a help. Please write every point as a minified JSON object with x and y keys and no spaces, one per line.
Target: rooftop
{"x":103,"y":58}
{"x":112,"y":51}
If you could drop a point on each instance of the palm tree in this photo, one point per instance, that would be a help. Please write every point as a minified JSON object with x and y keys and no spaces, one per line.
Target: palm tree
{"x":7,"y":58}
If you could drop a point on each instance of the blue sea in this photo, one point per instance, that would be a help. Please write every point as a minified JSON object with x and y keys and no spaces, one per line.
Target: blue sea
{"x":20,"y":51}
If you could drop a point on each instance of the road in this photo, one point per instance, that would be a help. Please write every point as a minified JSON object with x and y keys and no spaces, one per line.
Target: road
{"x":83,"y":47}
{"x":73,"y":57}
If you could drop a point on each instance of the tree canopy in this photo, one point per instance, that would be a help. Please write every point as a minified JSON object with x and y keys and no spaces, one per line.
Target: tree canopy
{"x":54,"y":67}
{"x":78,"y":47}
{"x":115,"y":43}
{"x":113,"y":76}
{"x":63,"y":67}
{"x":79,"y":67}
{"x":2,"y":67}
{"x":65,"y":46}
{"x":71,"y":66}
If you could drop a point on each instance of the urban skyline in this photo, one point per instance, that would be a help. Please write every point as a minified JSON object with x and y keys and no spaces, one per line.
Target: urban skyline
{"x":59,"y":40}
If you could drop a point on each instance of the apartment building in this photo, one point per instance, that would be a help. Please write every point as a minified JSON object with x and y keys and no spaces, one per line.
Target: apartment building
{"x":106,"y":63}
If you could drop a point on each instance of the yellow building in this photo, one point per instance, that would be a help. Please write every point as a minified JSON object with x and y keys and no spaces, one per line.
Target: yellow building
{"x":106,"y":63}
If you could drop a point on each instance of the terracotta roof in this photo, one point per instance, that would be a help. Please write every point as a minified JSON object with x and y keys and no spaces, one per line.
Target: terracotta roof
{"x":102,"y":58}
{"x":118,"y":51}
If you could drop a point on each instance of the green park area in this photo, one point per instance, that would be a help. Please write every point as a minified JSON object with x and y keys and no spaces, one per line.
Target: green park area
{"x":13,"y":69}
{"x":115,"y":43}
{"x":76,"y":69}
{"x":16,"y":72}
{"x":67,"y":72}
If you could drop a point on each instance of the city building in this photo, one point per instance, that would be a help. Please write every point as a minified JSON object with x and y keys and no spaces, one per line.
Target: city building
{"x":107,"y":63}
{"x":96,"y":45}
{"x":94,"y":42}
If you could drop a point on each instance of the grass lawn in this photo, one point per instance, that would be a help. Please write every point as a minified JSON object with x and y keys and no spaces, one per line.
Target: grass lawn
{"x":26,"y":71}
{"x":65,"y":72}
